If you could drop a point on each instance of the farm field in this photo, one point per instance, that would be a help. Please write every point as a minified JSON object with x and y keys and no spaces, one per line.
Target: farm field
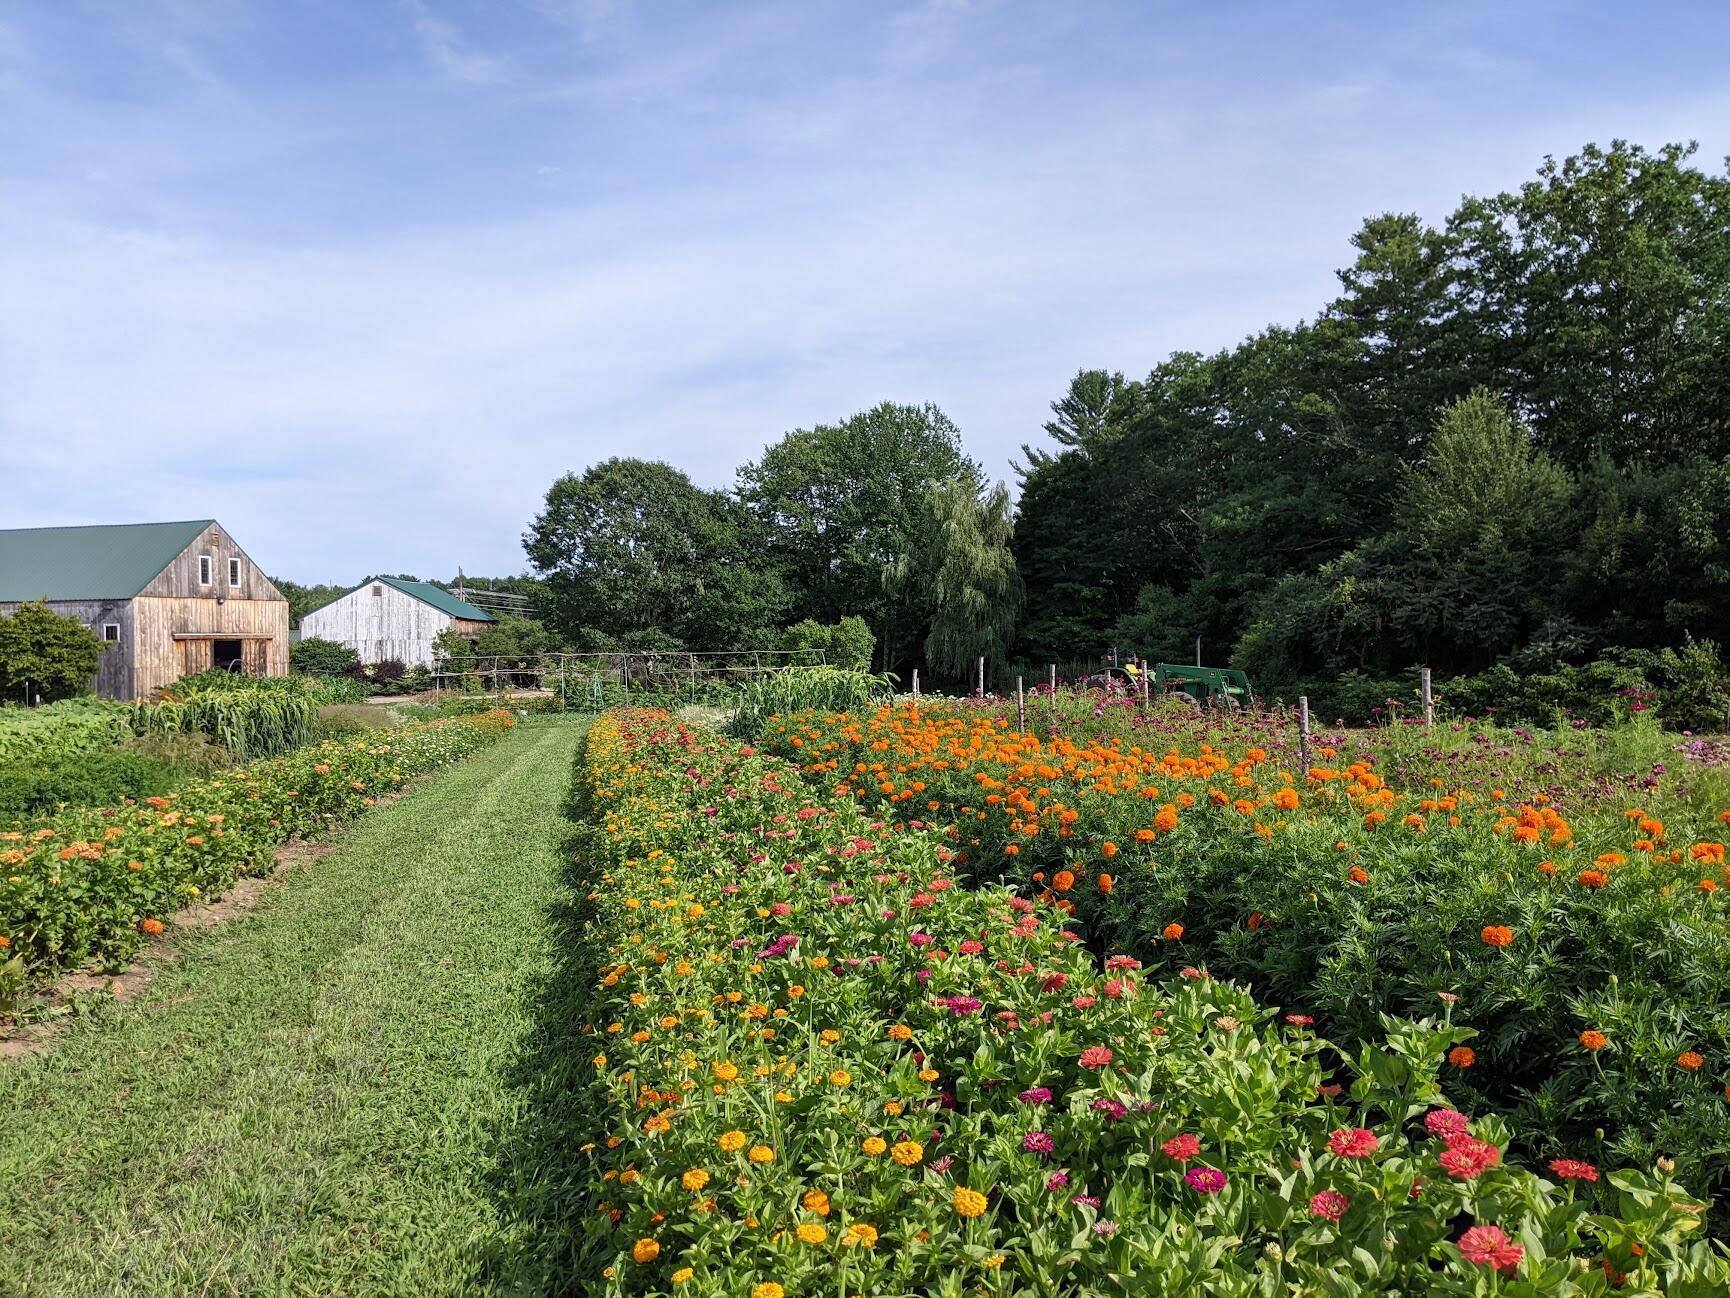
{"x":327,"y":1096}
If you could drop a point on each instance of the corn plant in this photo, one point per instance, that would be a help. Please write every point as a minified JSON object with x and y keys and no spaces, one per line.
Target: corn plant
{"x":802,"y":689}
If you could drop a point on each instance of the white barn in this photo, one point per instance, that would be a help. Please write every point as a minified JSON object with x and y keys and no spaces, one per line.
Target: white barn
{"x":387,"y":618}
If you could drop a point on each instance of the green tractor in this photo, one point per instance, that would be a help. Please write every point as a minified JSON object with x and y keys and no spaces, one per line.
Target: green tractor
{"x":1213,"y":687}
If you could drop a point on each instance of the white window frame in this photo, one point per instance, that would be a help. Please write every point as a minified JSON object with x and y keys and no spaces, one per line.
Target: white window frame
{"x":233,"y":573}
{"x":206,"y":570}
{"x":106,"y":628}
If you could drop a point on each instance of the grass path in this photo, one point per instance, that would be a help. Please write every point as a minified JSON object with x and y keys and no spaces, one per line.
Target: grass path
{"x":324,"y":1096}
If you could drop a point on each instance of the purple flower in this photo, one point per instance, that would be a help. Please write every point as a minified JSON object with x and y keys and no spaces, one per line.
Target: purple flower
{"x":1204,"y":1180}
{"x":1056,"y":1181}
{"x":1036,"y":1095}
{"x":1038,"y":1142}
{"x":963,"y":1005}
{"x":1112,"y":1110}
{"x":1105,"y":1226}
{"x":1086,"y":1201}
{"x":943,"y":1164}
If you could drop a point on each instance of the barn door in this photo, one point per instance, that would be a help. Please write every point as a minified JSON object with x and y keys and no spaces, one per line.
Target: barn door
{"x":192,"y":657}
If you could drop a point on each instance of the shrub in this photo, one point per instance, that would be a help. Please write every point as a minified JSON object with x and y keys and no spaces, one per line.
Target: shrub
{"x":44,"y":656}
{"x":819,"y":1064}
{"x":317,"y":656}
{"x":62,"y":729}
{"x":84,"y":779}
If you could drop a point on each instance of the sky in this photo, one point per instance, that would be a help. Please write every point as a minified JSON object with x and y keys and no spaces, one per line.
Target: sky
{"x":360,"y":278}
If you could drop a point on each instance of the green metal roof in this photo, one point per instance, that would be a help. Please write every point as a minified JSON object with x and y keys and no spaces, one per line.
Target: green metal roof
{"x":112,"y":561}
{"x":439,"y":598}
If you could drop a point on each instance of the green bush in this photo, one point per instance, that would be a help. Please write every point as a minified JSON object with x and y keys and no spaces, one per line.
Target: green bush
{"x":320,"y":657}
{"x":61,"y":729}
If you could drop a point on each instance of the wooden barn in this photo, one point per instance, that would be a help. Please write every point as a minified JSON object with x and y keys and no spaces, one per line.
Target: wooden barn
{"x":169,"y":599}
{"x":388,"y":618}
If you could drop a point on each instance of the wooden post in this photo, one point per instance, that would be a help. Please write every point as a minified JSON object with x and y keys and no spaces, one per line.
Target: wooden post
{"x":915,"y":687}
{"x":1429,"y":702}
{"x":1054,"y":687}
{"x":1144,"y":688}
{"x":981,"y":676}
{"x":1198,"y":651}
{"x":1304,"y":736}
{"x":1020,"y":707}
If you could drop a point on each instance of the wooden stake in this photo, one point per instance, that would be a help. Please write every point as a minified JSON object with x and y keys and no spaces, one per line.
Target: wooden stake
{"x":1429,"y":702}
{"x":1054,"y":687}
{"x":981,"y":676}
{"x":1304,"y":736}
{"x":1020,"y":707}
{"x":915,"y":687}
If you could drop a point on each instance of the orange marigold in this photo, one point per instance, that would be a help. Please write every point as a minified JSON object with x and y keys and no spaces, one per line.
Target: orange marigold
{"x":1173,"y":932}
{"x":1063,"y":880}
{"x":1593,"y":1039}
{"x":1593,"y":878}
{"x":1497,"y":935}
{"x":1358,"y":874}
{"x":1689,"y":1060}
{"x":1462,"y":1057}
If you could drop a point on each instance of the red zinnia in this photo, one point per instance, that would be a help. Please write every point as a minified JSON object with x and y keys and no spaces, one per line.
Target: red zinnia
{"x":1329,"y":1205}
{"x":1096,"y":1057}
{"x":1354,"y":1142}
{"x":1573,"y":1169}
{"x":1489,"y":1246}
{"x":1182,"y":1148}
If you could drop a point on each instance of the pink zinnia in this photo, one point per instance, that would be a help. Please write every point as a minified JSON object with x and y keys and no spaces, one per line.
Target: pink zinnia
{"x":1204,"y":1180}
{"x":1354,"y":1142}
{"x":1573,"y":1169}
{"x":1096,"y":1057}
{"x":1182,"y":1148}
{"x":1083,"y":1002}
{"x":1444,"y":1122}
{"x":1038,"y":1142}
{"x":1488,"y":1246}
{"x":1466,"y":1157}
{"x":1329,"y":1205}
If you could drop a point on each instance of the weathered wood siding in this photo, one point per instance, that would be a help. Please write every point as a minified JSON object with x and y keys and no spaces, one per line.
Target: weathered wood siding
{"x":176,"y":637}
{"x":180,"y":578}
{"x":390,"y":624}
{"x":113,"y":679}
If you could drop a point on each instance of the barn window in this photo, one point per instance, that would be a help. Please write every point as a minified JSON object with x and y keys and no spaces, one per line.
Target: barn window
{"x":377,"y":589}
{"x":206,"y":566}
{"x":234,"y":572}
{"x":111,"y":632}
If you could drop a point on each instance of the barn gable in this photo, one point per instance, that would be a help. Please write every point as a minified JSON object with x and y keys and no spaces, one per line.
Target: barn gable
{"x":90,"y":563}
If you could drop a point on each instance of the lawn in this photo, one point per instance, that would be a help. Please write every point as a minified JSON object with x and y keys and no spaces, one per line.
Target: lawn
{"x":334,"y":1094}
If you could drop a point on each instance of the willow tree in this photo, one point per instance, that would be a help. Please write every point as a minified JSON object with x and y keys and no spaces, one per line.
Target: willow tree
{"x":962,"y":569}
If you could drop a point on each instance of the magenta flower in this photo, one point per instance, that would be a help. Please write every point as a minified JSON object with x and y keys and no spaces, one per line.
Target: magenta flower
{"x":1204,"y":1180}
{"x":1056,"y":1181}
{"x":963,"y":1005}
{"x":1038,"y":1142}
{"x":1112,"y":1110}
{"x":1035,"y":1095}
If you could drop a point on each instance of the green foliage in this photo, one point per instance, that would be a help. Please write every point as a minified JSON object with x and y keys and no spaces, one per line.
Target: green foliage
{"x":318,"y":656}
{"x":252,"y":716}
{"x":800,"y":689}
{"x":91,"y":779}
{"x":45,"y":657}
{"x":62,"y":729}
{"x":847,"y":644}
{"x":963,"y":567}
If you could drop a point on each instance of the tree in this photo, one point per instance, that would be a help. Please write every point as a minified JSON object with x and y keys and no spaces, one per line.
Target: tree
{"x":45,"y":657}
{"x":836,"y":503}
{"x":969,"y":571}
{"x":633,"y":547}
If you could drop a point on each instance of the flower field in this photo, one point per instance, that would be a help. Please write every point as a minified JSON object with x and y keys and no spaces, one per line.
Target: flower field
{"x":826,"y":1061}
{"x":92,"y":884}
{"x":1585,"y":935}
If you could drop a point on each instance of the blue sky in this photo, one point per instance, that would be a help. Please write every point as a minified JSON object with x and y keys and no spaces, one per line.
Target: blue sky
{"x":360,"y":277}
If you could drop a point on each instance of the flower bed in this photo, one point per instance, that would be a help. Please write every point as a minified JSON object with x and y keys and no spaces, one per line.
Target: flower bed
{"x":91,"y":884}
{"x":823,"y":1066}
{"x":1346,"y":898}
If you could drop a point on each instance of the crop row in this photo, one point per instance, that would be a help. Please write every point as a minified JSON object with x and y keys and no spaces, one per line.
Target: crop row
{"x":822,"y":1064}
{"x":91,"y":883}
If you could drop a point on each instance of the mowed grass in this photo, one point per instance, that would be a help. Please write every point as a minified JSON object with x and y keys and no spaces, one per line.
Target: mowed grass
{"x":324,"y":1096}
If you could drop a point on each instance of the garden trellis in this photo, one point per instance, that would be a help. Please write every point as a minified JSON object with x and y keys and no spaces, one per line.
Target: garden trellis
{"x":591,"y":681}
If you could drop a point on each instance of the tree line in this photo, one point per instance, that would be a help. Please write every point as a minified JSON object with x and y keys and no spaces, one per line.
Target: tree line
{"x":1505,"y":444}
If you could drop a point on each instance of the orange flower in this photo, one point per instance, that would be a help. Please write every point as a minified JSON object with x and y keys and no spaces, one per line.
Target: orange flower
{"x":1173,"y":932}
{"x":1497,"y":935}
{"x":1286,"y":799}
{"x":151,"y":926}
{"x":1144,"y":836}
{"x":1106,"y":883}
{"x":1166,"y":820}
{"x":1358,"y":874}
{"x":1063,"y":880}
{"x":1546,"y":867}
{"x":1593,"y":878}
{"x":1593,"y":1039}
{"x":1689,"y":1061}
{"x":1108,"y":851}
{"x":1462,"y":1057}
